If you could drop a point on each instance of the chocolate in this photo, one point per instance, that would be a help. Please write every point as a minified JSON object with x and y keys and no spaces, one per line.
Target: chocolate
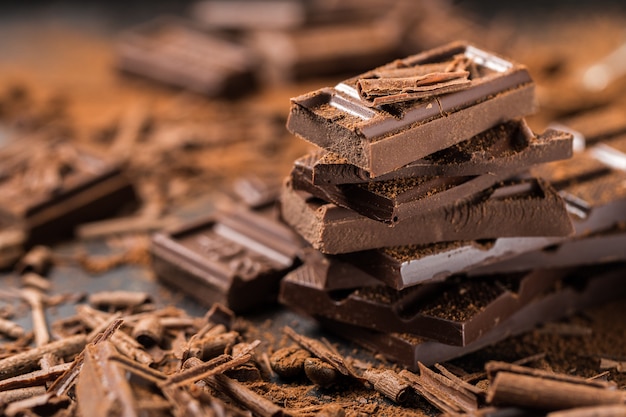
{"x":456,"y":312}
{"x":596,"y":248}
{"x":394,"y":200}
{"x":589,"y":287}
{"x":509,"y":146}
{"x":50,"y":187}
{"x":235,"y":259}
{"x":382,"y":139}
{"x":538,"y":211}
{"x":403,"y":266}
{"x":307,"y":52}
{"x":175,"y":52}
{"x":249,"y":14}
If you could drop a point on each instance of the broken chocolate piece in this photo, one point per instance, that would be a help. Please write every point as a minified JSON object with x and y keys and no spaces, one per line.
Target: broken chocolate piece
{"x":456,"y":312}
{"x":538,"y":211}
{"x":174,"y":51}
{"x":593,"y":286}
{"x":236,"y":259}
{"x":509,"y":146}
{"x":393,"y":200}
{"x":386,"y":138}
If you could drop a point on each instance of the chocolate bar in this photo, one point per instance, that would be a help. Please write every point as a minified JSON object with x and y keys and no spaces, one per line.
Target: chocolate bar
{"x":596,"y":125}
{"x":596,"y":248}
{"x":394,"y":200}
{"x":307,"y":52}
{"x":50,"y":187}
{"x":175,"y":52}
{"x":235,"y":259}
{"x":535,"y":206}
{"x":509,"y":146}
{"x":384,"y":138}
{"x":589,"y":287}
{"x":400,"y":267}
{"x":249,"y":14}
{"x":455,"y":312}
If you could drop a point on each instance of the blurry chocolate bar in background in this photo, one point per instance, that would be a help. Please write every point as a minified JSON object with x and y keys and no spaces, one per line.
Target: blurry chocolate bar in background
{"x":176,"y":52}
{"x":50,"y":186}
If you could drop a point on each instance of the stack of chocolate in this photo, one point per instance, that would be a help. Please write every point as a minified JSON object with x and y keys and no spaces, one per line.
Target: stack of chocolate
{"x":423,"y":176}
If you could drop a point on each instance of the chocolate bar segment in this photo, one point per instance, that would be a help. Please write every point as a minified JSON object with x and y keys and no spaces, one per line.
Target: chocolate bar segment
{"x":235,"y":259}
{"x":596,"y":248}
{"x":382,"y":139}
{"x":509,"y":146}
{"x":456,"y":312}
{"x":50,"y":187}
{"x":593,"y":286}
{"x":175,"y":52}
{"x":393,"y":200}
{"x":538,"y":211}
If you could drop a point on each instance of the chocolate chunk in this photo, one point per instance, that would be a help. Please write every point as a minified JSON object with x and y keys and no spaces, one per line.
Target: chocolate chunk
{"x":597,"y":124}
{"x":394,"y":200}
{"x":50,"y":187}
{"x":509,"y":146}
{"x":175,"y":52}
{"x":538,"y":211}
{"x":456,"y":312}
{"x":249,"y":14}
{"x":403,"y":266}
{"x":235,"y":259}
{"x":594,"y":286}
{"x":382,"y":139}
{"x":596,"y":248}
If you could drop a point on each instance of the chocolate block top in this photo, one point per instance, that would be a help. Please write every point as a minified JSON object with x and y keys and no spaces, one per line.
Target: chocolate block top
{"x":383,"y":138}
{"x":535,"y":206}
{"x":511,"y":145}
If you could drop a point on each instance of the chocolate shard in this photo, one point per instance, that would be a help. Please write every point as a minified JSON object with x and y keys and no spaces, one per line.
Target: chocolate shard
{"x":455,"y":312}
{"x":235,"y":259}
{"x":508,"y":146}
{"x":539,"y":211}
{"x":588,"y":287}
{"x":49,"y":187}
{"x":176,"y":52}
{"x":393,"y":200}
{"x":385,"y":138}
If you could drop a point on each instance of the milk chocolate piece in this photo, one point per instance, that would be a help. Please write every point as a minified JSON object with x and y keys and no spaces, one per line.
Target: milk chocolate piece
{"x":235,"y":259}
{"x":536,"y":208}
{"x":50,"y":187}
{"x":175,"y":52}
{"x":509,"y":146}
{"x":590,"y":286}
{"x":393,"y":200}
{"x":382,"y":139}
{"x":456,"y":312}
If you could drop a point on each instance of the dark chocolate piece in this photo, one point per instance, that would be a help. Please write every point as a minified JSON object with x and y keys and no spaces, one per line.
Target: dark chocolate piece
{"x":235,"y":259}
{"x":403,"y":266}
{"x":603,"y":247}
{"x":50,"y":187}
{"x":175,"y":52}
{"x":249,"y":14}
{"x":456,"y":312}
{"x":393,"y":200}
{"x":337,"y":48}
{"x":386,"y":138}
{"x":593,"y":287}
{"x":536,"y":208}
{"x":597,"y":124}
{"x":509,"y":146}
